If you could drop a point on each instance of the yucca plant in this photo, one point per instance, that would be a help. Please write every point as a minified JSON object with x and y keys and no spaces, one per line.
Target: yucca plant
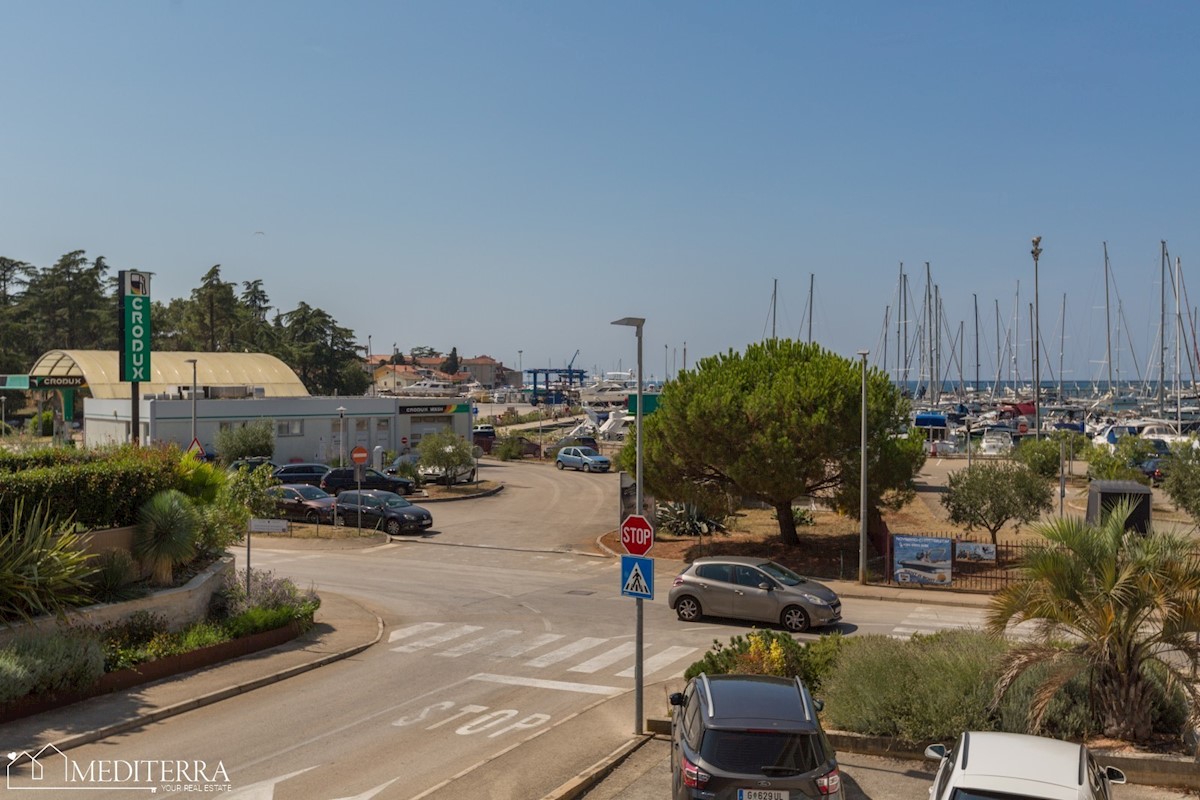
{"x":165,"y":534}
{"x":42,"y":567}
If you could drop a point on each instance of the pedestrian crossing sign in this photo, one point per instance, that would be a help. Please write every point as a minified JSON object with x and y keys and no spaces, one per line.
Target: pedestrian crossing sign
{"x":637,"y":577}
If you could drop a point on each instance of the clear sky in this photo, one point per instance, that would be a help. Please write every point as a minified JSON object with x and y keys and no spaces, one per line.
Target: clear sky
{"x":513,"y":176}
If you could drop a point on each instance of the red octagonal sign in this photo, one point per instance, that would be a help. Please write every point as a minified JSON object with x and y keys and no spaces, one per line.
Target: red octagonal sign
{"x":637,"y":535}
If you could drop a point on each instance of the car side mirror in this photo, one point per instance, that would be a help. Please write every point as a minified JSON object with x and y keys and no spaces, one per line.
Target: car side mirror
{"x":818,"y":704}
{"x":936,"y":751}
{"x":765,"y":586}
{"x":1114,"y":775}
{"x":676,"y":699}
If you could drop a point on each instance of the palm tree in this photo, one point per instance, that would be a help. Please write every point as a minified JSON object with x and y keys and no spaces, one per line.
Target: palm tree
{"x":1114,"y":604}
{"x":165,"y":534}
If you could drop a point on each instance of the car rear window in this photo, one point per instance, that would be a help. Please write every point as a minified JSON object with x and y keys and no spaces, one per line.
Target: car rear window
{"x":779,"y":754}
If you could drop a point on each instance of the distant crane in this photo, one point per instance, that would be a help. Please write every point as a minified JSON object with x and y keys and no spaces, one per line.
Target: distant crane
{"x":571,"y":363}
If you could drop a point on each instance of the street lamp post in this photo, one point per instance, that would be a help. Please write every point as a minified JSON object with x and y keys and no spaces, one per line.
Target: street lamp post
{"x":192,"y":361}
{"x":521,"y":368}
{"x":3,"y":415}
{"x":370,"y":365}
{"x":1037,"y":344}
{"x":862,"y":479}
{"x":342,"y":436}
{"x":636,"y":323}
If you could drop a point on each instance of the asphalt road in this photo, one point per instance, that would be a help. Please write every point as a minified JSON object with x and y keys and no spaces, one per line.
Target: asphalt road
{"x":506,"y":666}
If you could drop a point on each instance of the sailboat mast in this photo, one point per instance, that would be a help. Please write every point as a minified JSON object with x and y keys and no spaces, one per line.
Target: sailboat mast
{"x":1108,"y":356}
{"x":901,"y":312}
{"x":811,"y":277}
{"x":1162,"y":327}
{"x":774,"y":299}
{"x":975,"y":301}
{"x":1178,"y":336}
{"x":929,"y":330}
{"x":1062,"y":345}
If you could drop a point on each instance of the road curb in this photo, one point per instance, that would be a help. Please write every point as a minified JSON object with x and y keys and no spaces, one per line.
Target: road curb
{"x":218,"y":695}
{"x":476,"y":496}
{"x":585,"y":781}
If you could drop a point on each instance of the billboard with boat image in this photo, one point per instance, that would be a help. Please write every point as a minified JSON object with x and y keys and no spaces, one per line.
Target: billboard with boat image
{"x":922,"y":560}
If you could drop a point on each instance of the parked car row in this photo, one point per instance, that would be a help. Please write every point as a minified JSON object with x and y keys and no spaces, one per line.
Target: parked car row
{"x":382,"y":510}
{"x":759,"y":737}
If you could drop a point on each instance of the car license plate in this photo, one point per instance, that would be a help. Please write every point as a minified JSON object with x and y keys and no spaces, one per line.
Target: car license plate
{"x":762,"y":794}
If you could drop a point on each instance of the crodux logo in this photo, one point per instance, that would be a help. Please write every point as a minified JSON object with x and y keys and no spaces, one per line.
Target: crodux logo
{"x":50,"y":768}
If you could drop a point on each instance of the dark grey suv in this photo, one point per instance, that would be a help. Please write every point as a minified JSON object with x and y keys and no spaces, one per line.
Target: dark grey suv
{"x":750,"y":737}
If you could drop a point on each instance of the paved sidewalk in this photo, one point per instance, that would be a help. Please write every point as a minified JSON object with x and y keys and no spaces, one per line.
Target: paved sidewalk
{"x":343,"y":628}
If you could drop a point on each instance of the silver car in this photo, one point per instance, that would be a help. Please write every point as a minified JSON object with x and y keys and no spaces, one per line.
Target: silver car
{"x":754,"y":589}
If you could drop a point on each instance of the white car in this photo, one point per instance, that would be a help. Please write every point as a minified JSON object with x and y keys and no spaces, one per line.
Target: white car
{"x":1014,"y":766}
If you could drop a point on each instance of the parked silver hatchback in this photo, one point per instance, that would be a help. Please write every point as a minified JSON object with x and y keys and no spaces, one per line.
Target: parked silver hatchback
{"x":753,"y":589}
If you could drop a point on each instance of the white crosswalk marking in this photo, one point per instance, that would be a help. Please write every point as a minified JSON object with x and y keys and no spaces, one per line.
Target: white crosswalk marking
{"x":478,"y":644}
{"x":413,"y":630}
{"x":507,"y":643}
{"x":565,"y":652}
{"x":659,"y":660}
{"x":931,"y":619}
{"x":521,"y":648}
{"x":437,"y":638}
{"x":601,"y":661}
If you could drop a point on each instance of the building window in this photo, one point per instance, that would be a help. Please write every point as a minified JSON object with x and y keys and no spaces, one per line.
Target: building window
{"x":289,"y":427}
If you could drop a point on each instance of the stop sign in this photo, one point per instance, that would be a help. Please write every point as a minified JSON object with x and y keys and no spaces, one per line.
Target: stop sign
{"x":359,"y":455}
{"x":637,"y":535}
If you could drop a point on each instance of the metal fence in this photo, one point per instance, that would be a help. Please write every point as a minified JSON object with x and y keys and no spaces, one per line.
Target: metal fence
{"x":971,"y":570}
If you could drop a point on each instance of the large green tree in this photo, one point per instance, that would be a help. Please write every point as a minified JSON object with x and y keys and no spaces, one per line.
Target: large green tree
{"x":1117,"y":604}
{"x":775,"y":423}
{"x":990,"y":495}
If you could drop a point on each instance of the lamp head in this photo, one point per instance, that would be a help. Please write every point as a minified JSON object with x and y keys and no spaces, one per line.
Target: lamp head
{"x":632,"y":322}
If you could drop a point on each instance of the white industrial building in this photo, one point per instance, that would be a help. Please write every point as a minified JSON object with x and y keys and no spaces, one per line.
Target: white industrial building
{"x":235,"y":388}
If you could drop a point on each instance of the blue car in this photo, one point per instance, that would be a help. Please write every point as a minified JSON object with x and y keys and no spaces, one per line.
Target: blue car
{"x":584,"y":458}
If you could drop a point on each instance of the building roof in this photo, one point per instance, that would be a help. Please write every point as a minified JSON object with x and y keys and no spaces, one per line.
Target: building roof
{"x":170,"y":370}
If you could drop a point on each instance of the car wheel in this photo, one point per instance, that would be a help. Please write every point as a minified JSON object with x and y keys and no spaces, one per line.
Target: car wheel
{"x":339,"y":520}
{"x":795,"y":619}
{"x":311,"y":517}
{"x":393,"y":527}
{"x":558,"y":464}
{"x":587,"y":467}
{"x":687,"y":608}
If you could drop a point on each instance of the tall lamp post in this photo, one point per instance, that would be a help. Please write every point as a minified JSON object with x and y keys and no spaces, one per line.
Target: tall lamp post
{"x":3,"y":415}
{"x":342,"y":436}
{"x":1037,"y":344}
{"x":636,"y":323}
{"x":862,"y":479}
{"x":192,"y":361}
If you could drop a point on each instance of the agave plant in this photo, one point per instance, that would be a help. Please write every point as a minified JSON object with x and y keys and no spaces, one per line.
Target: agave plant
{"x":42,"y":567}
{"x":165,"y":534}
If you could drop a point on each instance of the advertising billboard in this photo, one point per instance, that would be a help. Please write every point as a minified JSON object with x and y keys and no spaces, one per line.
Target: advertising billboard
{"x":134,"y":325}
{"x":921,"y":559}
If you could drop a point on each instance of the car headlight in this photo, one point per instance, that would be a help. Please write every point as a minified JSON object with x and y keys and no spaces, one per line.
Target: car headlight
{"x":408,"y":517}
{"x":812,"y":598}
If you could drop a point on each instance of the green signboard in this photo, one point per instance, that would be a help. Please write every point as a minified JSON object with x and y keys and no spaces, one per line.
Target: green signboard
{"x":650,"y":400}
{"x":135,"y":325}
{"x":55,"y":381}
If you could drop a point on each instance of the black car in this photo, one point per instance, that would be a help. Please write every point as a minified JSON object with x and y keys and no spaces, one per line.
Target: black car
{"x":341,"y":478}
{"x":385,"y":511}
{"x":750,"y":735}
{"x":303,"y":502}
{"x":572,"y":441}
{"x":301,"y":473}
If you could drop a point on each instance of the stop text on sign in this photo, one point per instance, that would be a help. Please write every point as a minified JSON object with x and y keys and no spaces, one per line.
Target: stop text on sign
{"x":637,"y":535}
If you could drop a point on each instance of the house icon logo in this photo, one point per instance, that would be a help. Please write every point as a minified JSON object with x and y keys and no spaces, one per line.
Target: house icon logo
{"x":48,"y":757}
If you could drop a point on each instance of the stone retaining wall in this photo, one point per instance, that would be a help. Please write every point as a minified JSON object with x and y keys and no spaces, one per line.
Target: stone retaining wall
{"x":181,"y":605}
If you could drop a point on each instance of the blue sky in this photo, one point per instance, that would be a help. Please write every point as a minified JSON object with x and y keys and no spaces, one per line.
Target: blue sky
{"x":514,"y":176}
